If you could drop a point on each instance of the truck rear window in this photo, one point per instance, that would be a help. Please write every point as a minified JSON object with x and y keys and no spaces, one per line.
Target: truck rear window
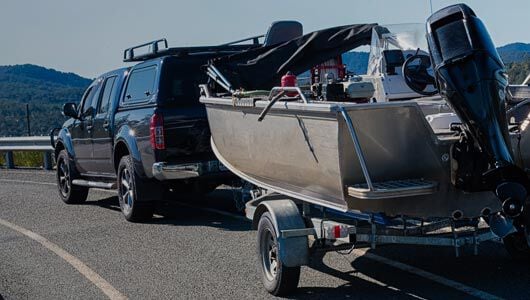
{"x":179,"y":84}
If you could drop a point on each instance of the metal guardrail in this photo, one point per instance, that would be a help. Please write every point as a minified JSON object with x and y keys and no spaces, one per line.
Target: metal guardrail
{"x":27,"y":143}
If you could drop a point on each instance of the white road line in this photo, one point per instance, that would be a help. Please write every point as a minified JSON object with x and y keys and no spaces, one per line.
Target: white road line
{"x":89,"y":274}
{"x":427,"y":275}
{"x":27,"y":181}
{"x":361,"y":252}
{"x":25,"y":171}
{"x":392,"y":288}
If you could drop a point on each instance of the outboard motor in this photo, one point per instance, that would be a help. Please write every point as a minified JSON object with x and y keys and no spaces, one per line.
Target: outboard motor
{"x":471,"y":77}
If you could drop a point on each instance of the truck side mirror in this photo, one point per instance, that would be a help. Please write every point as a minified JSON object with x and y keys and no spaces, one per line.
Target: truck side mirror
{"x":70,"y":110}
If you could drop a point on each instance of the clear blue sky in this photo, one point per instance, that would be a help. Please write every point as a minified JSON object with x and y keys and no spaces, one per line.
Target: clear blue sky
{"x":88,"y":37}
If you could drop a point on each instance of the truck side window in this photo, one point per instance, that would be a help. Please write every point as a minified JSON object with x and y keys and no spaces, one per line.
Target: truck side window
{"x":87,"y":100}
{"x":109,"y":92}
{"x":141,"y":84}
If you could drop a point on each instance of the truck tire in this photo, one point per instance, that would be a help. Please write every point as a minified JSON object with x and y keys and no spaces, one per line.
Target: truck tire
{"x":517,"y":246}
{"x":65,"y":174}
{"x":277,"y":278}
{"x":128,"y":186}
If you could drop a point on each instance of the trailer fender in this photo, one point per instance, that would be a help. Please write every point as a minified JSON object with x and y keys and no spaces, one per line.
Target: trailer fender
{"x":293,"y":251}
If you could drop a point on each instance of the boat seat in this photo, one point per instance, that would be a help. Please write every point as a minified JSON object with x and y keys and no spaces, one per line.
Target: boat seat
{"x":282,"y":31}
{"x":393,"y":189}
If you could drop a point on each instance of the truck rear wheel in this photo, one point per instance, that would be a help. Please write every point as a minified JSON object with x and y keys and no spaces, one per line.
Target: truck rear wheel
{"x":128,"y":186}
{"x":66,"y":172}
{"x":277,"y":278}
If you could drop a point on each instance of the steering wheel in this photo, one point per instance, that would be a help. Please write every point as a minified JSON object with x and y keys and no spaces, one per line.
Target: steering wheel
{"x":415,"y":71}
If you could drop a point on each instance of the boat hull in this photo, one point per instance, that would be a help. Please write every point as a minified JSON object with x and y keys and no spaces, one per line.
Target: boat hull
{"x":305,"y":151}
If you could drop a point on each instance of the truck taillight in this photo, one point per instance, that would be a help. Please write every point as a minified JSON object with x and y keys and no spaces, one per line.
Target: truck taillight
{"x":156,"y":130}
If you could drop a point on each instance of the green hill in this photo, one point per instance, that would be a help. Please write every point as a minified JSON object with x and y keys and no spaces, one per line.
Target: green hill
{"x":518,"y":71}
{"x":44,"y":90}
{"x":515,"y":52}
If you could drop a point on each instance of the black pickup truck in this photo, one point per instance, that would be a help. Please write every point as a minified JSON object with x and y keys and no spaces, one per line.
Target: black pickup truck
{"x":142,"y":130}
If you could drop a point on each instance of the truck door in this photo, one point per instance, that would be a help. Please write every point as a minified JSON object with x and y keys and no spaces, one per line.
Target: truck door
{"x":81,"y":130}
{"x":102,"y":130}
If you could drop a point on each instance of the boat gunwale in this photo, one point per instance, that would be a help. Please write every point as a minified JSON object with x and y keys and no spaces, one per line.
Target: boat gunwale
{"x":323,"y":106}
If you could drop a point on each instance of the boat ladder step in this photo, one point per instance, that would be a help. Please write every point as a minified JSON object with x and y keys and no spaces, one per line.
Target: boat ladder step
{"x":393,"y":189}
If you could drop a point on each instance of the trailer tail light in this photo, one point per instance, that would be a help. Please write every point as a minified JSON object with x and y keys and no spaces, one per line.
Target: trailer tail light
{"x":156,"y":130}
{"x":335,"y":231}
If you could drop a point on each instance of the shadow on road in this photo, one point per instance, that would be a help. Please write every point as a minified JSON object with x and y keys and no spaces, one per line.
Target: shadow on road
{"x":108,"y":203}
{"x":358,"y":286}
{"x":492,"y":271}
{"x":175,"y":210}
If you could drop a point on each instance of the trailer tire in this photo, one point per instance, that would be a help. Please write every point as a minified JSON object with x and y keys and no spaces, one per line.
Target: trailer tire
{"x":517,"y":246}
{"x":277,"y":278}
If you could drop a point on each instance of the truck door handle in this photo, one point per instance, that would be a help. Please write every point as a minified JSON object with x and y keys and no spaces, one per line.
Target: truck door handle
{"x":106,"y":124}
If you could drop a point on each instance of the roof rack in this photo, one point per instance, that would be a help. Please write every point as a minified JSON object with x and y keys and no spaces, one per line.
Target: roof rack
{"x":254,"y":39}
{"x":154,"y":49}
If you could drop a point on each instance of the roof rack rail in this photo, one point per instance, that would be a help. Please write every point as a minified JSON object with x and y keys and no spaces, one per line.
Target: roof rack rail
{"x":254,"y":39}
{"x":128,"y":54}
{"x":154,"y":50}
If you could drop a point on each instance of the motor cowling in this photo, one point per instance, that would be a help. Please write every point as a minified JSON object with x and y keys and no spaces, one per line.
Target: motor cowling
{"x":471,"y":77}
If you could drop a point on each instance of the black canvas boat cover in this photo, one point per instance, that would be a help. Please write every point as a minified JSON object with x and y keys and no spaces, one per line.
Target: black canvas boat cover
{"x":262,"y":68}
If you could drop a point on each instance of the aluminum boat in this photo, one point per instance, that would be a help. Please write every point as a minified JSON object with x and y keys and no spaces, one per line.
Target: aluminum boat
{"x":384,"y":153}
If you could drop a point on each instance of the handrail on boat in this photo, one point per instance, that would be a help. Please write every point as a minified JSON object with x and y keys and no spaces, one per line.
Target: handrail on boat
{"x":357,"y":146}
{"x":271,"y":103}
{"x":287,"y":89}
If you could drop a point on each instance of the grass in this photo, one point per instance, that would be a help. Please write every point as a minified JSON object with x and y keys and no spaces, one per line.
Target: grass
{"x":28,"y":159}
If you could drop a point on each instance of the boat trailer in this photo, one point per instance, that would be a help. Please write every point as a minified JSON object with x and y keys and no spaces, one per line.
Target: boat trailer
{"x":333,"y":230}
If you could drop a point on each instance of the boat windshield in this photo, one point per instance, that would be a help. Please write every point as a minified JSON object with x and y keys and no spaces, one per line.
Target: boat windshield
{"x":397,"y":36}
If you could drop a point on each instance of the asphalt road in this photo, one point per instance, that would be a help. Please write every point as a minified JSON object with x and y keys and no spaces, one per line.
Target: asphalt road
{"x":187,"y":252}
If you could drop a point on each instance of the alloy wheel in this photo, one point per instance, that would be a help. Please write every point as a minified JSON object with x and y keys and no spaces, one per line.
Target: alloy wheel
{"x":63,"y":173}
{"x":126,"y":191}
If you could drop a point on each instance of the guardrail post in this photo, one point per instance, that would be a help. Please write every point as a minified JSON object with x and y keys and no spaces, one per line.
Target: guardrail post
{"x":47,"y":159}
{"x":10,"y":163}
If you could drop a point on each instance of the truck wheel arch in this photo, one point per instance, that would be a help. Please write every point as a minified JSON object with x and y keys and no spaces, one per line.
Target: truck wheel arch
{"x":125,"y":144}
{"x":64,"y":141}
{"x":120,"y":150}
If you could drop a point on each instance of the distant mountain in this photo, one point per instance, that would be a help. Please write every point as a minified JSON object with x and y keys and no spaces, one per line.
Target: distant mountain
{"x":510,"y":53}
{"x":518,"y":71}
{"x":516,"y":52}
{"x":42,"y":74}
{"x":45,"y":90}
{"x":30,"y":84}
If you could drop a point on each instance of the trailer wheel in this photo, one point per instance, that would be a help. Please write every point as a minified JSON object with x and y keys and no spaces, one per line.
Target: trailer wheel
{"x":277,"y":278}
{"x":517,"y":246}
